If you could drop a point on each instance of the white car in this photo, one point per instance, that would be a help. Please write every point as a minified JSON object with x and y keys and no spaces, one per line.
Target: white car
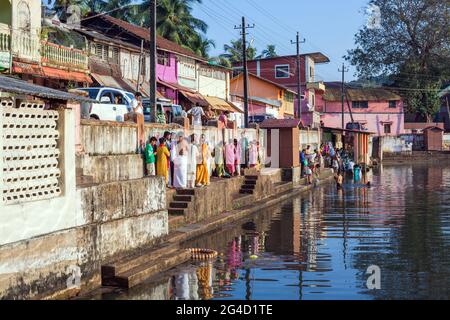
{"x":112,"y":104}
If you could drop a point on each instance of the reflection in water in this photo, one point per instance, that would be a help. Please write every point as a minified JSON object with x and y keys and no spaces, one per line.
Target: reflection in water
{"x":320,"y":244}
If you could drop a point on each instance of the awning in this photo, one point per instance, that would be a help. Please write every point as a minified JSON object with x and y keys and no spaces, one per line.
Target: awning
{"x":27,"y":68}
{"x":66,"y":75}
{"x":194,"y":97}
{"x":221,"y":104}
{"x":114,"y":82}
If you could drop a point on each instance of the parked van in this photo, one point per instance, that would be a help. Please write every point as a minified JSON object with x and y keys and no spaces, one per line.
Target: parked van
{"x":112,"y":104}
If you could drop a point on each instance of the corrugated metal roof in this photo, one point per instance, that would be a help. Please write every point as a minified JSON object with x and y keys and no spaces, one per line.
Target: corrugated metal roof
{"x":13,"y":85}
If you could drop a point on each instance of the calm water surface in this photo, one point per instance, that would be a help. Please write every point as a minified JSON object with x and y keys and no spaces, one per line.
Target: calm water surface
{"x":320,"y":244}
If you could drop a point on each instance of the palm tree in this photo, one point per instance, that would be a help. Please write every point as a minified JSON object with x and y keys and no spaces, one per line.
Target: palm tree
{"x":174,"y":20}
{"x":201,"y":45}
{"x":269,"y":52}
{"x":233,"y":52}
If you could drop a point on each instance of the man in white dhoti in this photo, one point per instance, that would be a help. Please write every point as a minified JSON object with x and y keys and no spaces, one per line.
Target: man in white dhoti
{"x":180,"y":163}
{"x":253,"y":154}
{"x":192,"y":162}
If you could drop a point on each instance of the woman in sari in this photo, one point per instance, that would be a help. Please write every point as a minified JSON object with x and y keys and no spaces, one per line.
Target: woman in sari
{"x":202,"y":178}
{"x":162,"y":160}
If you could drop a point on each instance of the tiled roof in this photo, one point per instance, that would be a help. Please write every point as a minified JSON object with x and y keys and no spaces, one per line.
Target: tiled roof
{"x":143,"y":33}
{"x":280,"y":123}
{"x":361,"y":94}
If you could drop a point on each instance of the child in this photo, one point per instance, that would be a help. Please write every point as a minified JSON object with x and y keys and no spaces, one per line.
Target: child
{"x":162,"y":160}
{"x":339,"y":180}
{"x":308,"y":174}
{"x":150,"y":156}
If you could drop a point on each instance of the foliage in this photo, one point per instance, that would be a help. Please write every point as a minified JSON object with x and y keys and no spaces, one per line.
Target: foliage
{"x":411,"y":46}
{"x":233,"y":52}
{"x":269,"y":52}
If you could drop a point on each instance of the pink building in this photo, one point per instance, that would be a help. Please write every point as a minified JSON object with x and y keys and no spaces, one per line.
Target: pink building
{"x":378,"y":110}
{"x":283,"y":71}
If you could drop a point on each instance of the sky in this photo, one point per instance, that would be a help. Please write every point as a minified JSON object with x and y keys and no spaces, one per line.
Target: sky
{"x":328,"y":26}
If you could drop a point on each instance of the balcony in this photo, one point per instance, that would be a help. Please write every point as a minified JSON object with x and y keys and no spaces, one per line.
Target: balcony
{"x":25,"y":46}
{"x":5,"y":47}
{"x":317,"y":86}
{"x":54,"y":55}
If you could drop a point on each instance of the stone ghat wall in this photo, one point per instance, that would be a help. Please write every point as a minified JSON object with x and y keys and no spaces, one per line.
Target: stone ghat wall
{"x":417,"y":156}
{"x":223,"y":195}
{"x":110,"y":152}
{"x":111,"y":219}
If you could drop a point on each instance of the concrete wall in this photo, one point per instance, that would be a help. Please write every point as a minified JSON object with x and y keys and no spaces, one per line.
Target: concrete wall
{"x":44,"y":245}
{"x":446,"y":141}
{"x":29,"y":219}
{"x":395,"y":145}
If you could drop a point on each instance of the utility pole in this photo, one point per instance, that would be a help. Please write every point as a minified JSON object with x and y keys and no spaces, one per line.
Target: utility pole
{"x":343,"y":71}
{"x":299,"y":85}
{"x":141,"y":64}
{"x":243,"y":28}
{"x":153,"y":60}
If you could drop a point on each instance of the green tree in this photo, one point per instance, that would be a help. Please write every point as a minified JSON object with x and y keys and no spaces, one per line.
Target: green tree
{"x":201,"y":45}
{"x":233,"y":52}
{"x":269,"y":52}
{"x":410,"y":44}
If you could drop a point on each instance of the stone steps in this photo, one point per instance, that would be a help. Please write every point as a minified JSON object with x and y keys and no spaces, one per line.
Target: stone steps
{"x":186,"y":192}
{"x":112,"y":270}
{"x":186,"y":198}
{"x":249,"y":184}
{"x":143,"y":272}
{"x":179,"y":205}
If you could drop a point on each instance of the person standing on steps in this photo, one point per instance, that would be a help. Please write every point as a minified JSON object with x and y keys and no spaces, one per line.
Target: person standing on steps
{"x":163,"y":160}
{"x":193,"y":155}
{"x":150,"y":156}
{"x":202,"y":178}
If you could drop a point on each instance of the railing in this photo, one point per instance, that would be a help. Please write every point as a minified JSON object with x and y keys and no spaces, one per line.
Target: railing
{"x":5,"y":47}
{"x":60,"y":56}
{"x":26,"y":45}
{"x":5,"y":41}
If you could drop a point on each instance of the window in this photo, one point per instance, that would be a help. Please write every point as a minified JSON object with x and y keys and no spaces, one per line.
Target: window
{"x":282,"y":71}
{"x":106,"y":97}
{"x":311,"y":73}
{"x":360,"y":104}
{"x":143,"y":66}
{"x":387,"y":128}
{"x":289,"y":96}
{"x":163,"y":58}
{"x":101,"y":51}
{"x":115,"y":55}
{"x":119,"y":98}
{"x":392,"y":103}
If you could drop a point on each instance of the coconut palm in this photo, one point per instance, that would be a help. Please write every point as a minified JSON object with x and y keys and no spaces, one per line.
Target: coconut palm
{"x":269,"y":52}
{"x":201,"y":45}
{"x":174,"y":20}
{"x":233,"y":52}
